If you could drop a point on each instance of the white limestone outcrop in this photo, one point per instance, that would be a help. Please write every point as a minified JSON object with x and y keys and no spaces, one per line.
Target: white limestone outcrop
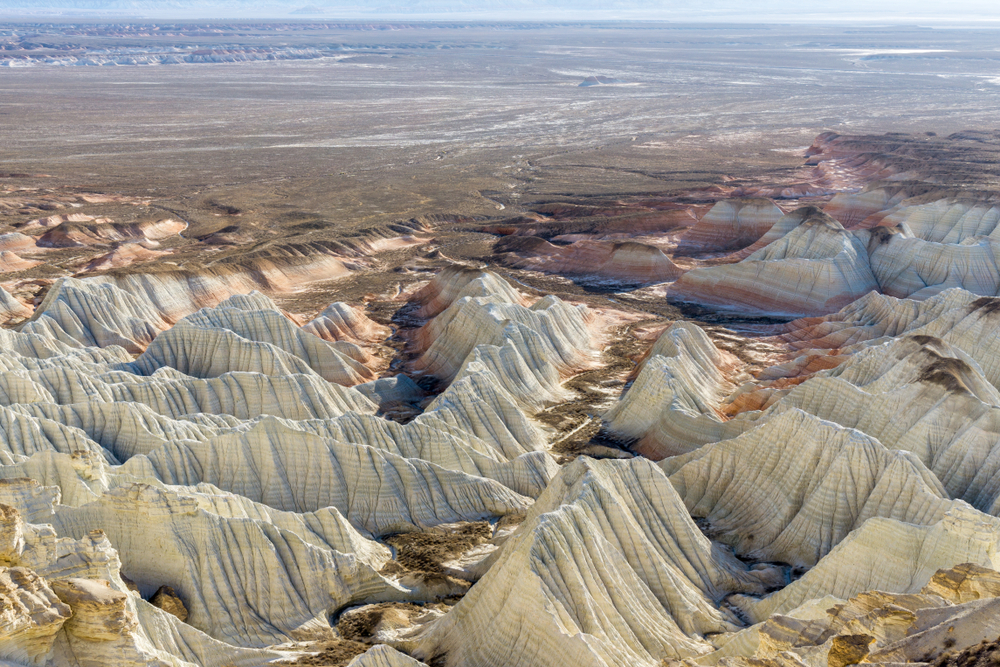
{"x":290,"y":470}
{"x":673,"y":405}
{"x":11,"y":308}
{"x":947,"y":220}
{"x":342,"y":322}
{"x":906,"y":266}
{"x":32,"y":614}
{"x":173,"y":394}
{"x":381,"y":655}
{"x":67,"y":606}
{"x":219,"y":340}
{"x":457,"y":281}
{"x":84,"y":313}
{"x":815,"y":268}
{"x":549,"y":332}
{"x":607,"y":569}
{"x":956,"y":316}
{"x":795,"y":487}
{"x":888,"y":555}
{"x":729,"y":225}
{"x":244,"y":581}
{"x":875,"y":626}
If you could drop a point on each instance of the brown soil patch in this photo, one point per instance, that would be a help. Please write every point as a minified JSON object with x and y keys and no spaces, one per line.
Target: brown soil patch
{"x":335,"y":653}
{"x":578,"y":419}
{"x":510,"y":520}
{"x":424,"y":552}
{"x":359,"y":625}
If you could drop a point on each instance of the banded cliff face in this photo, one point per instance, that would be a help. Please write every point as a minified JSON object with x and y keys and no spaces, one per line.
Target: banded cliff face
{"x":467,"y":469}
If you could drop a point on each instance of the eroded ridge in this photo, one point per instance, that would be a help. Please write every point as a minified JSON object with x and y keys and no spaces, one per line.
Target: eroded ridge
{"x":525,"y":458}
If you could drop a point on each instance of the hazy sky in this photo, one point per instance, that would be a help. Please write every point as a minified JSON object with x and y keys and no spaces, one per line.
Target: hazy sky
{"x":759,"y":10}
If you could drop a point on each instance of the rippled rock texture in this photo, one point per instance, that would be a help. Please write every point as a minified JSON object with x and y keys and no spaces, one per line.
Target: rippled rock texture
{"x":469,"y":470}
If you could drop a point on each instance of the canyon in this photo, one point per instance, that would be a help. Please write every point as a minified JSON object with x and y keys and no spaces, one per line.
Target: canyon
{"x":706,"y":397}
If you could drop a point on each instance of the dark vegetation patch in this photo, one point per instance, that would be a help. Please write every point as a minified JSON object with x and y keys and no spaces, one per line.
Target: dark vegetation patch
{"x":984,"y":654}
{"x":946,"y":372}
{"x":228,"y":209}
{"x":311,"y":226}
{"x":987,"y":305}
{"x":882,"y":235}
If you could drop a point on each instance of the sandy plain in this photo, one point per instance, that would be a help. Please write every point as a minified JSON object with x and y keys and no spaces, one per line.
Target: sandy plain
{"x":354,"y":126}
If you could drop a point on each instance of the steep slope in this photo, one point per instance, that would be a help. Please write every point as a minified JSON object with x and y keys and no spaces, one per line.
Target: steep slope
{"x":228,"y":338}
{"x":554,"y":332}
{"x":905,"y":266}
{"x":815,"y":268}
{"x":291,"y":470}
{"x":263,"y":584}
{"x":889,"y":555}
{"x":339,"y":321}
{"x":84,"y":313}
{"x":76,"y":610}
{"x":954,"y":613}
{"x":172,"y":394}
{"x":11,"y":309}
{"x":607,"y":569}
{"x":457,"y":281}
{"x":949,"y":429}
{"x":729,"y":225}
{"x":673,"y":405}
{"x":794,"y":487}
{"x":947,"y":220}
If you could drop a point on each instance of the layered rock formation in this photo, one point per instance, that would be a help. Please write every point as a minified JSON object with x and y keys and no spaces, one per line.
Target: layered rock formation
{"x":458,"y":281}
{"x":730,"y":225}
{"x":674,"y":404}
{"x":228,"y":435}
{"x":190,"y":477}
{"x":252,"y":336}
{"x":341,"y":322}
{"x":548,"y":334}
{"x":794,"y":487}
{"x":610,"y":566}
{"x":624,"y":262}
{"x":949,"y":615}
{"x":817,"y":267}
{"x":86,"y":314}
{"x":69,"y":234}
{"x":955,"y":316}
{"x":11,"y":308}
{"x":67,"y":604}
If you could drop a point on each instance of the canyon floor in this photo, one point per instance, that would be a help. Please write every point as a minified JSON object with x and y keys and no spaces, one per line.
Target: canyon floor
{"x":499,"y":344}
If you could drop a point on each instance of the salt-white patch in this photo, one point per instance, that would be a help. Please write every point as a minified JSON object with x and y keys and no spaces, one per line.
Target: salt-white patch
{"x":588,"y":72}
{"x":879,"y":52}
